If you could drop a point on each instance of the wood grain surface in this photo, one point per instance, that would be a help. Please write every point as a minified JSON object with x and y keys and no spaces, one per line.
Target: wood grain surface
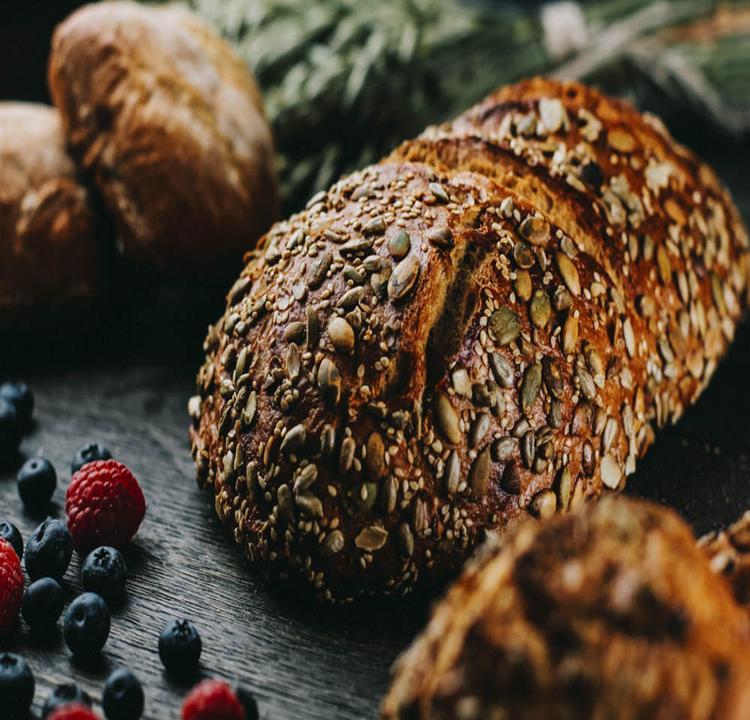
{"x":122,"y":376}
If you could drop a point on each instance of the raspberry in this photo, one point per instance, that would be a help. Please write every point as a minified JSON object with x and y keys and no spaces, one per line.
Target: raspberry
{"x":76,"y":711}
{"x":104,"y":504}
{"x":212,"y":700}
{"x":11,"y":586}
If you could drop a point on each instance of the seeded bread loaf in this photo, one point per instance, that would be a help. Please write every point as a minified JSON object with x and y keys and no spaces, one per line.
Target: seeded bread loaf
{"x":49,"y":253}
{"x":608,"y":612}
{"x":491,"y":322}
{"x":729,"y":554}
{"x":169,"y":123}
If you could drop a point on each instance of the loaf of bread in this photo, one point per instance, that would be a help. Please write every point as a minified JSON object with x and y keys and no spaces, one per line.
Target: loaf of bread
{"x":729,"y":554}
{"x":608,"y":612}
{"x":490,"y":323}
{"x":49,"y":250}
{"x":168,"y":122}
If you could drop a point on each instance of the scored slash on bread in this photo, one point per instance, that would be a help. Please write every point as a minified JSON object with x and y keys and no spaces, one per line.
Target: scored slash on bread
{"x":491,"y":322}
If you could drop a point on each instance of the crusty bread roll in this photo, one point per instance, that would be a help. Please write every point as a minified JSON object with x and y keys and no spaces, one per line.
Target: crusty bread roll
{"x":169,"y":123}
{"x":608,"y":612}
{"x":729,"y":554}
{"x":49,"y":252}
{"x":491,"y":322}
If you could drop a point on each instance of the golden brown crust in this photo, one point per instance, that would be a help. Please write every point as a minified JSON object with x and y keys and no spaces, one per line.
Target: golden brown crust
{"x":728,"y":552}
{"x":607,"y":612}
{"x":169,"y":123}
{"x":49,"y":252}
{"x":461,"y":335}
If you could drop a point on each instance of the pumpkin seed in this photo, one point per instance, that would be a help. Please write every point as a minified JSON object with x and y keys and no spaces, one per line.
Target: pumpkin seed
{"x":581,"y":422}
{"x":610,"y":472}
{"x":530,"y":385}
{"x":440,"y":237}
{"x":543,"y":505}
{"x":358,"y":246}
{"x":461,"y":382}
{"x":502,"y":370}
{"x":341,"y":334}
{"x":294,"y":332}
{"x":553,"y":379}
{"x":511,"y":481}
{"x":479,"y":475}
{"x":452,"y":473}
{"x":375,"y":459}
{"x":374,"y":227}
{"x":570,"y":334}
{"x":528,"y":448}
{"x":285,"y":502}
{"x":503,"y":448}
{"x":504,"y":325}
{"x":305,"y":478}
{"x":447,"y":419}
{"x":540,"y":309}
{"x":479,"y":429}
{"x":555,"y":414}
{"x":569,"y":273}
{"x":522,"y":285}
{"x":399,"y":244}
{"x":663,"y":264}
{"x":329,"y":382}
{"x":351,"y":298}
{"x":523,"y":255}
{"x":564,"y":486}
{"x":319,"y":269}
{"x":535,"y":229}
{"x":372,"y":263}
{"x":312,"y":326}
{"x":309,"y":505}
{"x":371,"y":538}
{"x":294,"y":440}
{"x":403,"y":278}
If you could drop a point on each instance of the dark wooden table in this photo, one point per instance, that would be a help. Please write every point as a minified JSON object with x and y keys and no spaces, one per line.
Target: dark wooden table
{"x":123,"y":378}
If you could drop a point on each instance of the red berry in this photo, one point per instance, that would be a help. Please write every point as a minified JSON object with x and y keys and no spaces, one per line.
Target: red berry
{"x":104,"y":504}
{"x":11,"y":586}
{"x":212,"y":700}
{"x":75,"y":711}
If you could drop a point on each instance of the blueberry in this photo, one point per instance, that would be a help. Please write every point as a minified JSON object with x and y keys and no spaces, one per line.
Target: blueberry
{"x":10,"y":432}
{"x":65,"y":695}
{"x":123,"y":696}
{"x":42,"y":603}
{"x":20,"y":396}
{"x":180,"y":647}
{"x":9,"y":532}
{"x":48,"y":550}
{"x":86,"y":624}
{"x":89,"y":453}
{"x":104,"y":572}
{"x":16,"y":685}
{"x":37,"y":481}
{"x":248,"y":702}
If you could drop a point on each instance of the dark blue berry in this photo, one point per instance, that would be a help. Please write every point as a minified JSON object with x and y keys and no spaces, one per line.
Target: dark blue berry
{"x":16,"y":685}
{"x":104,"y":572}
{"x":37,"y":481}
{"x":65,"y":694}
{"x":123,"y":696}
{"x":9,"y":532}
{"x":20,"y":396}
{"x":180,"y":647}
{"x":89,"y":453}
{"x":248,"y":702}
{"x":42,"y":603}
{"x":48,"y":550}
{"x":10,"y":432}
{"x":86,"y":624}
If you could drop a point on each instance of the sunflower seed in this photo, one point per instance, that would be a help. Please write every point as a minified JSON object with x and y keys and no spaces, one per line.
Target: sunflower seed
{"x":251,"y":405}
{"x":540,"y":309}
{"x":504,"y":325}
{"x":530,"y":385}
{"x":341,"y":334}
{"x":610,"y":434}
{"x":421,"y":520}
{"x":295,"y":332}
{"x":334,"y":542}
{"x":553,"y":379}
{"x":581,"y":422}
{"x":294,"y":440}
{"x":447,"y":419}
{"x":305,"y":478}
{"x":569,"y":273}
{"x":479,"y":475}
{"x":629,"y":335}
{"x":570,"y":335}
{"x":564,"y":487}
{"x":375,"y":459}
{"x":346,"y":456}
{"x":555,"y":414}
{"x":441,"y":237}
{"x":528,"y":448}
{"x":390,"y":494}
{"x":312,"y":326}
{"x":479,"y":429}
{"x":522,"y":285}
{"x":358,"y":246}
{"x":461,"y":382}
{"x":663,"y":264}
{"x":329,"y":382}
{"x":503,"y":448}
{"x":286,"y":504}
{"x":502,"y":370}
{"x":511,"y":481}
{"x":403,"y":278}
{"x":481,"y":395}
{"x":543,"y":504}
{"x":406,"y":539}
{"x":439,"y":192}
{"x":319,"y":269}
{"x":293,"y":361}
{"x":588,"y":460}
{"x":610,"y":472}
{"x":600,"y":420}
{"x":376,"y":226}
{"x":452,"y":473}
{"x":535,"y":229}
{"x":523,"y":255}
{"x":399,"y":244}
{"x":586,"y":383}
{"x":562,"y":299}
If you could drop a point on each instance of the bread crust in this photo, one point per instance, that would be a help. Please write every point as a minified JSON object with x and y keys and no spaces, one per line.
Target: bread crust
{"x":463,"y":335}
{"x":49,"y":252}
{"x":169,"y":123}
{"x":607,"y":612}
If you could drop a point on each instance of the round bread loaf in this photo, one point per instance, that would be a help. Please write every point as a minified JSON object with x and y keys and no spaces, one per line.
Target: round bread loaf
{"x":608,"y":612}
{"x":491,"y":322}
{"x":49,"y":253}
{"x":729,"y":554}
{"x":169,"y":123}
